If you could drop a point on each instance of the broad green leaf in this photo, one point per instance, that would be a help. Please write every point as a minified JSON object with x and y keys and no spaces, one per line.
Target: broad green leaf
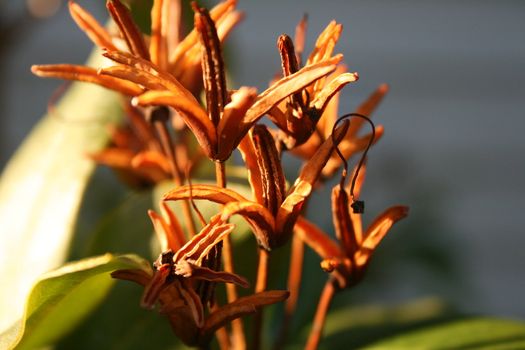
{"x":42,"y":186}
{"x":469,"y":333}
{"x":62,"y":298}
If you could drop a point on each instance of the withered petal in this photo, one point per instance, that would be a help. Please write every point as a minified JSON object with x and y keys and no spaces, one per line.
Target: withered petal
{"x":287,"y":86}
{"x":324,"y":46}
{"x":158,"y":47}
{"x":240,"y":307}
{"x":259,"y":218}
{"x":187,"y":269}
{"x":98,"y":35}
{"x":368,"y":107}
{"x":86,"y":74}
{"x":343,"y":223}
{"x":131,"y":33}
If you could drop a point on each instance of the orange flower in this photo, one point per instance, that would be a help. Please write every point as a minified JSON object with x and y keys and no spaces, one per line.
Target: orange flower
{"x":348,"y":258}
{"x":298,"y":115}
{"x":273,"y":213}
{"x":180,"y":282}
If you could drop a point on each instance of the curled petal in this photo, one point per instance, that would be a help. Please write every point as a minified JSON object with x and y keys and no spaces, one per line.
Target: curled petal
{"x":90,"y":26}
{"x":200,"y":245}
{"x":240,"y":307}
{"x":194,"y":116}
{"x":86,"y":74}
{"x":378,"y":230}
{"x":187,"y":269}
{"x":333,"y":87}
{"x":155,"y":285}
{"x":259,"y":218}
{"x":210,"y":192}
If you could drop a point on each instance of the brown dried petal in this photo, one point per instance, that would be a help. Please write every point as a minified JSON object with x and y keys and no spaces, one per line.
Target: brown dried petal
{"x":344,"y":228}
{"x":259,"y":218}
{"x":187,"y":269}
{"x":319,"y":241}
{"x":86,"y":74}
{"x":128,"y":28}
{"x":240,"y":307}
{"x":90,"y":26}
{"x":287,"y":86}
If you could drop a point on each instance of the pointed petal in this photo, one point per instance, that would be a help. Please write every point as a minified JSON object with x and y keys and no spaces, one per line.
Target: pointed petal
{"x":325,"y":43}
{"x":194,"y":116}
{"x":209,"y":192}
{"x":86,"y":74}
{"x":240,"y":307}
{"x":167,"y":236}
{"x":259,"y":218}
{"x":378,"y":230}
{"x":173,"y":224}
{"x":128,"y":28}
{"x":155,"y":285}
{"x":186,"y":269}
{"x":368,"y":107}
{"x":138,"y":276}
{"x":319,"y":241}
{"x":300,"y":37}
{"x":232,"y":119}
{"x":292,"y":205}
{"x":97,"y":33}
{"x":287,"y":86}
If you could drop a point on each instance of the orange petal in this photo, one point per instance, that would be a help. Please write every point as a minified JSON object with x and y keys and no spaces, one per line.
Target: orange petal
{"x":292,"y":205}
{"x":330,"y":89}
{"x":86,"y":74}
{"x":287,"y":86}
{"x":90,"y":26}
{"x":128,"y":28}
{"x":209,"y":192}
{"x":200,"y":245}
{"x":324,"y":46}
{"x":232,"y":120}
{"x":193,"y":114}
{"x":162,"y":77}
{"x":240,"y":307}
{"x":259,"y":218}
{"x":368,"y":107}
{"x":378,"y":230}
{"x":319,"y":241}
{"x":343,"y":224}
{"x":158,"y":48}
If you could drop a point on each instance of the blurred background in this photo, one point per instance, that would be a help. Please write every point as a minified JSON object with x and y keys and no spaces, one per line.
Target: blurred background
{"x":453,"y":149}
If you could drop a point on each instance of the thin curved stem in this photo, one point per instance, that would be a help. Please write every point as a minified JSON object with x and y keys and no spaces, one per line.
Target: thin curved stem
{"x":320,"y":315}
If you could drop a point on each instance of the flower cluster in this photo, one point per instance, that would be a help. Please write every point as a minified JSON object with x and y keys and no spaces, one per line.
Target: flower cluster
{"x":162,"y":77}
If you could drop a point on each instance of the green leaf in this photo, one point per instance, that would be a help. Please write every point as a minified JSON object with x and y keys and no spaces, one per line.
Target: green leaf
{"x":62,"y":298}
{"x":42,"y":186}
{"x":470,"y":333}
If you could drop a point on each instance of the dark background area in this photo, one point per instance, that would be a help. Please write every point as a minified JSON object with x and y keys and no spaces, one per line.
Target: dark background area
{"x":453,"y":147}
